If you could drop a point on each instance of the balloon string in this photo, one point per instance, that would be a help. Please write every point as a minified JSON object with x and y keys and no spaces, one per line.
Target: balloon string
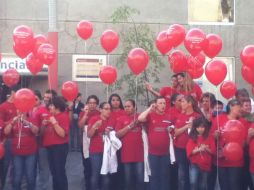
{"x":85,"y":74}
{"x":107,"y":93}
{"x":217,"y":122}
{"x":136,"y":97}
{"x":107,"y":59}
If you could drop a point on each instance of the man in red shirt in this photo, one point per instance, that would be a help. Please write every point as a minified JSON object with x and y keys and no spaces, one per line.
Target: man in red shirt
{"x":158,"y":122}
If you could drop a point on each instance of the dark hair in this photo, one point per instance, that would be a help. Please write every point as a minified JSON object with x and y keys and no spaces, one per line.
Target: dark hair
{"x":174,"y":76}
{"x":115,"y":95}
{"x":194,"y":103}
{"x":232,"y":103}
{"x":182,"y":74}
{"x":132,"y":102}
{"x":93,"y":97}
{"x":200,"y":121}
{"x":211,"y":97}
{"x":38,"y":94}
{"x":158,"y":98}
{"x":51,"y":91}
{"x":218,"y":102}
{"x":242,"y":92}
{"x":173,"y":99}
{"x":103,"y":104}
{"x":58,"y":102}
{"x":246,"y":100}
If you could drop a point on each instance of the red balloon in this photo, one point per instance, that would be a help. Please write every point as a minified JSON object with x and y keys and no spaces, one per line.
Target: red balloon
{"x":108,"y":74}
{"x":233,"y":131}
{"x":194,"y":41}
{"x":33,"y":64}
{"x":213,"y":45}
{"x":21,"y":51}
{"x":233,"y":151}
{"x":11,"y":77}
{"x":46,"y":53}
{"x":176,"y":34}
{"x":85,"y":29}
{"x":23,"y":35}
{"x":216,"y":71}
{"x":247,"y":56}
{"x":109,"y":40}
{"x":70,"y":90}
{"x":2,"y":150}
{"x":24,"y":100}
{"x":163,"y":42}
{"x":138,"y":60}
{"x":228,"y":89}
{"x":247,"y":74}
{"x":196,"y":73}
{"x":178,"y":61}
{"x":196,"y":62}
{"x":38,"y":40}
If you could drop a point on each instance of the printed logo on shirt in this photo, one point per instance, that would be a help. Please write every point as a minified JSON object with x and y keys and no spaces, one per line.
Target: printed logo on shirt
{"x":166,"y":121}
{"x":160,"y":129}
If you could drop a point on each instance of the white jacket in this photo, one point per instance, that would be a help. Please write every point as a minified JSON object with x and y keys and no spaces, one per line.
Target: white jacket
{"x":109,"y":161}
{"x":147,"y":170}
{"x":86,"y":143}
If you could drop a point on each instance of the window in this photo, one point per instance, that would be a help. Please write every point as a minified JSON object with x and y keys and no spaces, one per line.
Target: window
{"x":211,"y":11}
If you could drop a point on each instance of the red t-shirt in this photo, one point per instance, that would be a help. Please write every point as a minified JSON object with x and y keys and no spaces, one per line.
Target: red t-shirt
{"x":158,"y":137}
{"x":50,"y":137}
{"x":219,"y":123}
{"x":196,"y":92}
{"x":40,"y":114}
{"x":89,"y":115}
{"x":96,"y":142}
{"x":202,"y":159}
{"x":116,"y":114}
{"x":7,"y":111}
{"x":132,"y":145}
{"x":2,"y":135}
{"x":182,"y":119}
{"x":23,"y":141}
{"x":167,"y":92}
{"x":251,"y":152}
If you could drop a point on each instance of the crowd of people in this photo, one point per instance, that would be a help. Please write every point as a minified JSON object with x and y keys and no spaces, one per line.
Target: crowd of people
{"x":174,"y":144}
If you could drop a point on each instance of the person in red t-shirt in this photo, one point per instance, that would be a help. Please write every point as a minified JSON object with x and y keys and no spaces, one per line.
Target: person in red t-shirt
{"x":187,"y":86}
{"x":250,"y":141}
{"x":55,"y":139}
{"x":23,"y":131}
{"x":207,"y":103}
{"x":117,"y":111}
{"x":132,"y":151}
{"x":97,"y":127}
{"x":166,"y":91}
{"x":90,"y":110}
{"x":200,"y":148}
{"x":158,"y":126}
{"x":229,"y":171}
{"x":183,"y":124}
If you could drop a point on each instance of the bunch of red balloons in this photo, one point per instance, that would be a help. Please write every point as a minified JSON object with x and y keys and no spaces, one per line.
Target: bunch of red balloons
{"x":247,"y":58}
{"x":196,"y":42}
{"x":233,"y":137}
{"x":35,"y":48}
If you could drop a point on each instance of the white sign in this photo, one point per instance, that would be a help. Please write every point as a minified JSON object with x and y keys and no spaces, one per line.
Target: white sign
{"x":11,"y":61}
{"x":87,"y":67}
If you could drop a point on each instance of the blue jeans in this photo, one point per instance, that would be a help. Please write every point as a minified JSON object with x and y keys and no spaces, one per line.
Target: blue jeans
{"x":159,"y":179}
{"x":252,"y":177}
{"x":43,"y":176}
{"x":24,"y":165}
{"x":75,"y":136}
{"x":212,"y":177}
{"x":134,"y":175}
{"x":198,"y":178}
{"x":57,"y":155}
{"x":96,"y":162}
{"x":230,"y":178}
{"x":183,"y":169}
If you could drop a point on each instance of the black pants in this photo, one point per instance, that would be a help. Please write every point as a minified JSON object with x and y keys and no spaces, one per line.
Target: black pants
{"x":57,"y":155}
